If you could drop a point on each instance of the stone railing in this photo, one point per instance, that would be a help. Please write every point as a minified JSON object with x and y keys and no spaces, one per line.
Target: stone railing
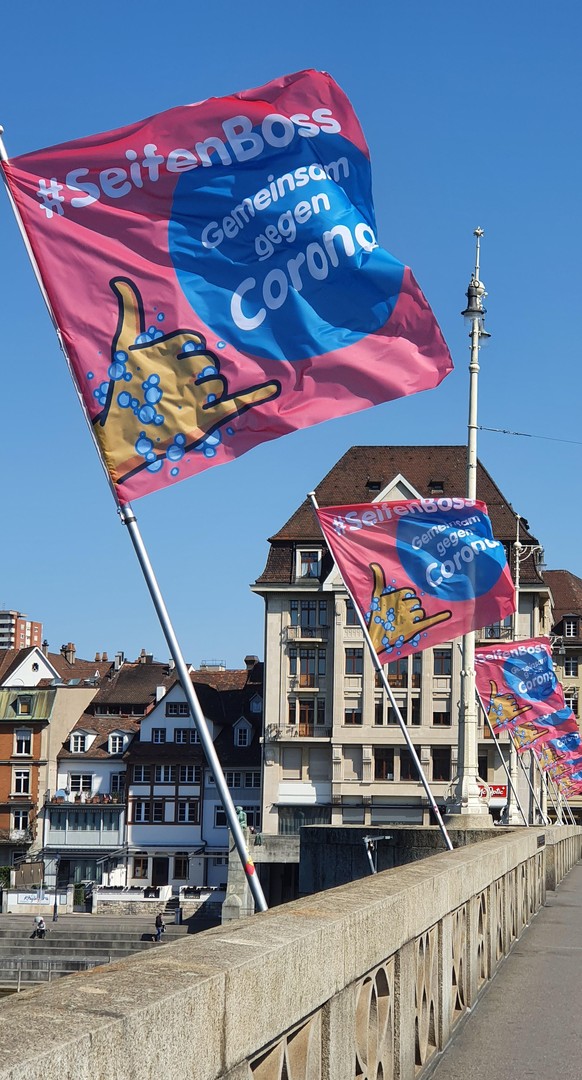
{"x":363,"y":981}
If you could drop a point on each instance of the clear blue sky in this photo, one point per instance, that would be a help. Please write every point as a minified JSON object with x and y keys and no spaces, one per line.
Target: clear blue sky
{"x":472,"y":116}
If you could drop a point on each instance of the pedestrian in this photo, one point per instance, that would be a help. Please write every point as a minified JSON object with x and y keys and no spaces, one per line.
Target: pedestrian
{"x":39,"y":927}
{"x":160,"y":926}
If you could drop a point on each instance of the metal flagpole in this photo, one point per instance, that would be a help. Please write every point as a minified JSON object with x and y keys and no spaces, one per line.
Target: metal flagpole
{"x":380,"y":671}
{"x":544,"y":780}
{"x":128,"y":518}
{"x":503,"y":761}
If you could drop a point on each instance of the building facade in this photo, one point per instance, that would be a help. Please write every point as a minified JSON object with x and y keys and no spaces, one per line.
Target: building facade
{"x":18,"y":632}
{"x":333,"y":752}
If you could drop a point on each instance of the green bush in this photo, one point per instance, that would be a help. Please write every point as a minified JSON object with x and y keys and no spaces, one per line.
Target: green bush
{"x":4,"y":877}
{"x":79,"y":895}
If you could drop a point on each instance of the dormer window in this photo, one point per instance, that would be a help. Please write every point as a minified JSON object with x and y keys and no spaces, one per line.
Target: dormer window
{"x":116,"y":744}
{"x":24,"y":705}
{"x":78,"y":743}
{"x":242,"y":733}
{"x":309,"y":563}
{"x":570,"y":627}
{"x":256,"y":704}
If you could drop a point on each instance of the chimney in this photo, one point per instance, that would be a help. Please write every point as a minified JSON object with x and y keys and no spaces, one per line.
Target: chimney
{"x":68,"y":651}
{"x":45,"y":647}
{"x":250,"y":662}
{"x":104,"y":656}
{"x":97,"y":657}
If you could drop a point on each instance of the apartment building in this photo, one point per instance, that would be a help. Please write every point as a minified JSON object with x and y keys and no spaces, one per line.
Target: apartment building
{"x":18,"y":632}
{"x":333,"y":752}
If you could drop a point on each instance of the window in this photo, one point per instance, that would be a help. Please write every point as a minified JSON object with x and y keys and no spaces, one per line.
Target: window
{"x":354,"y":661}
{"x":23,"y":742}
{"x":177,"y":708}
{"x":194,"y":736}
{"x":188,"y":811}
{"x":408,"y":770}
{"x":116,"y":744}
{"x":219,"y":817}
{"x":291,"y":760}
{"x":20,"y":820}
{"x":319,"y":764}
{"x":416,"y":670}
{"x":441,"y":763}
{"x":78,"y":744}
{"x":242,"y":736}
{"x":220,"y":861}
{"x":570,"y":627}
{"x":141,"y":811}
{"x":352,"y":762}
{"x":181,"y":866}
{"x":252,"y":779}
{"x":415,"y":712}
{"x":570,"y":668}
{"x":256,"y":705}
{"x":165,"y":774}
{"x":157,"y":810}
{"x":308,"y":613}
{"x":312,"y":664}
{"x":158,"y":734}
{"x":24,"y":705}
{"x":181,"y":735}
{"x":441,"y":717}
{"x":403,"y":710}
{"x":140,"y":866}
{"x":398,"y":672}
{"x":117,"y":785}
{"x":442,"y":661}
{"x":190,"y":774}
{"x":81,"y":782}
{"x":309,"y":564}
{"x":233,"y":779}
{"x":384,"y":763}
{"x":352,"y":715}
{"x":571,"y":701}
{"x":500,"y":629}
{"x":379,"y":712}
{"x":351,"y":616}
{"x":141,"y":774}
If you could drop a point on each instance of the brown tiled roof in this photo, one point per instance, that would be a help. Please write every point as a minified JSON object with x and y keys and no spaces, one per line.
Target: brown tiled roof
{"x":134,"y":684}
{"x":351,"y":479}
{"x":567,"y":593}
{"x":10,"y":659}
{"x":102,"y":726}
{"x":80,"y":669}
{"x":169,"y":753}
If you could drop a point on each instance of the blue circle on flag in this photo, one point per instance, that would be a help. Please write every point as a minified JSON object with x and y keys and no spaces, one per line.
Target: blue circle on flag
{"x":278,"y":254}
{"x":530,"y":675}
{"x":451,"y":555}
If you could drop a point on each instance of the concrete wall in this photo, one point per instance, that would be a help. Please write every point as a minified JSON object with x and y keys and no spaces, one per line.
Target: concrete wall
{"x":366,"y":980}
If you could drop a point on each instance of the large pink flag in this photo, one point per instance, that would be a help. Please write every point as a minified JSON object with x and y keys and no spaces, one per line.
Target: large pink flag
{"x":521,"y":692}
{"x":420,"y":571}
{"x":217,"y":280}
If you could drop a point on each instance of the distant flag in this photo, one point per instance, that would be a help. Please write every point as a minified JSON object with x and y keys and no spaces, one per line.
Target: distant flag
{"x":420,"y":571}
{"x":521,"y":692}
{"x":216,"y":278}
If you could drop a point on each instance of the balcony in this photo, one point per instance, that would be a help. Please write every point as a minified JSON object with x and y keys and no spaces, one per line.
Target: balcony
{"x":305,"y":633}
{"x":496,"y":632}
{"x":279,"y":732}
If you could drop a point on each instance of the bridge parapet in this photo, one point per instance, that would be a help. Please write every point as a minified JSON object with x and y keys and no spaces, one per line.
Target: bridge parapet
{"x":368,"y":979}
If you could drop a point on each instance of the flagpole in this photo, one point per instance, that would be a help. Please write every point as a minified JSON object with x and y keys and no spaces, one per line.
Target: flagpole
{"x":380,"y":671}
{"x":503,"y":761}
{"x":129,"y":520}
{"x":467,"y":804}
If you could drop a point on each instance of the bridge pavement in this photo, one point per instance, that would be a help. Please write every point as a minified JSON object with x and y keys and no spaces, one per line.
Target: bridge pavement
{"x":527,"y":1025}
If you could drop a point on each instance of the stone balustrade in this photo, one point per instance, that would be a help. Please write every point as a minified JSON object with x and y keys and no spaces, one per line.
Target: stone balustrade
{"x":363,"y":981}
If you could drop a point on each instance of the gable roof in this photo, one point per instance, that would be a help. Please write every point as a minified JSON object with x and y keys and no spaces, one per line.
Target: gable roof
{"x":364,"y":472}
{"x":567,"y":593}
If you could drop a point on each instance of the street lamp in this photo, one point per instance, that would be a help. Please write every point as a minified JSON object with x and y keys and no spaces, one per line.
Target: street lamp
{"x":467,"y":802}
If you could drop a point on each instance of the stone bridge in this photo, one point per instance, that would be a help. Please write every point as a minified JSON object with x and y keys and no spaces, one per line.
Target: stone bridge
{"x":367,"y":981}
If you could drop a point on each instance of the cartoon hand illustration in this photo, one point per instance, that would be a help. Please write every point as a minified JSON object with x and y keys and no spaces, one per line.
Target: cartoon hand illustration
{"x":396,"y":615}
{"x":165,"y":393}
{"x":503,"y":708}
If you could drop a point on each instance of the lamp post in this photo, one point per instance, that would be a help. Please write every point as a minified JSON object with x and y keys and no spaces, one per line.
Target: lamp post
{"x":467,"y":801}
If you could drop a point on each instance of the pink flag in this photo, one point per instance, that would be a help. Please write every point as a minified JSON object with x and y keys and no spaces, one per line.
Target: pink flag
{"x":420,"y":571}
{"x":520,"y":691}
{"x":217,"y":280}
